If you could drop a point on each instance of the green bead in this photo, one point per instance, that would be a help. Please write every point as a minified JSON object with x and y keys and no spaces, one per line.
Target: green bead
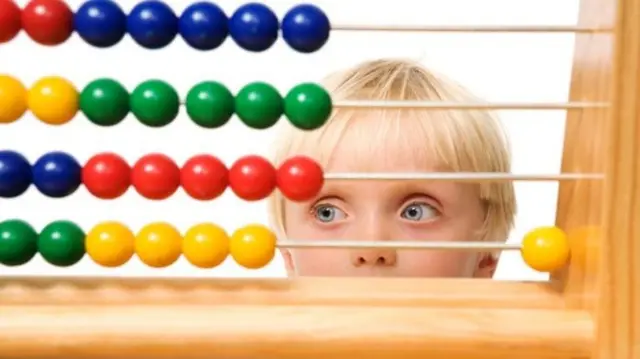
{"x":61,"y":243}
{"x":18,"y":242}
{"x":308,"y":106}
{"x":155,"y":103}
{"x":259,"y":105}
{"x":210,"y":104}
{"x":104,"y":102}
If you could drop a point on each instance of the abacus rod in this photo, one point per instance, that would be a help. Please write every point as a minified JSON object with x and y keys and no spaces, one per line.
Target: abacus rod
{"x":474,"y":28}
{"x":463,"y":176}
{"x":355,"y":244}
{"x":443,"y":105}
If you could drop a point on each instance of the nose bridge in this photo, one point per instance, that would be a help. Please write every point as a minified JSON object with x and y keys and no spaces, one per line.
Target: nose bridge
{"x":373,"y":228}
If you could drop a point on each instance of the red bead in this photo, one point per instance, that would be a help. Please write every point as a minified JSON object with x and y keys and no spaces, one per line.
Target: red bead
{"x":48,"y":22}
{"x":204,"y":177}
{"x":10,"y":23}
{"x":106,"y":176}
{"x":300,"y":178}
{"x":252,"y":178}
{"x":155,"y":176}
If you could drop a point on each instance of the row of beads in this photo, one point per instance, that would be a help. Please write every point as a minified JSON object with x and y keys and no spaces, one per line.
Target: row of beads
{"x":158,"y":245}
{"x":155,"y":103}
{"x":112,"y":244}
{"x":152,"y":24}
{"x":157,"y":177}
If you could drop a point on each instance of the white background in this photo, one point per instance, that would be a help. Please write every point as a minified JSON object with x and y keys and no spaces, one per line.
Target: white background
{"x":498,"y":67}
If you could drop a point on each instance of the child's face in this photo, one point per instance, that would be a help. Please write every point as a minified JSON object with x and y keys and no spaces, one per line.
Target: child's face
{"x":370,"y":210}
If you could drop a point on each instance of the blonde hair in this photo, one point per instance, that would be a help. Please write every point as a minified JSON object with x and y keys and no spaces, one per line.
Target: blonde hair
{"x":468,"y":141}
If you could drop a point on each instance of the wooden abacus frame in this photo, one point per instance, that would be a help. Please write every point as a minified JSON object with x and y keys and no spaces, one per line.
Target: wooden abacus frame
{"x":589,"y":310}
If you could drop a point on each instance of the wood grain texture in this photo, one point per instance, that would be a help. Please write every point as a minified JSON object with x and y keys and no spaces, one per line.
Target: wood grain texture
{"x":453,"y":293}
{"x":618,"y":315}
{"x":580,"y":203}
{"x":290,"y":332}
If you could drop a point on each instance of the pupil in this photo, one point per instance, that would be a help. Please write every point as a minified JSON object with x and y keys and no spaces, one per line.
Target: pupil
{"x":413,"y":212}
{"x":325,"y":212}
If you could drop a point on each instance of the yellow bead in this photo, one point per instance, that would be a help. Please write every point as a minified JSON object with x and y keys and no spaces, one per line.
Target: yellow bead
{"x":53,"y":100}
{"x":545,"y":249}
{"x":13,"y":99}
{"x":206,"y":245}
{"x":110,"y":244}
{"x":158,"y":245}
{"x":253,"y":246}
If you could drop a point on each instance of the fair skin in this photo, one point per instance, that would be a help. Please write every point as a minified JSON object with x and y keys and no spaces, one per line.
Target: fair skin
{"x":371,"y":210}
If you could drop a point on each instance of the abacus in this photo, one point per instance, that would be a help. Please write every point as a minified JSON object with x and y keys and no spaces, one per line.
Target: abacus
{"x":587,"y":310}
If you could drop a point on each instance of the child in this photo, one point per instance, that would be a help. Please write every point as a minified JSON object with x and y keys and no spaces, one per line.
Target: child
{"x":398,"y":140}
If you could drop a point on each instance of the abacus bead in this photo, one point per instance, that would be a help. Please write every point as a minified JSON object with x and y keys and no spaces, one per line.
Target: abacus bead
{"x":10,"y":23}
{"x":210,"y":104}
{"x":545,"y":249}
{"x":204,"y":26}
{"x":48,"y":22}
{"x":13,"y":99}
{"x":308,"y":106}
{"x":15,"y":174}
{"x":106,"y":176}
{"x":57,"y":174}
{"x":61,"y":243}
{"x":110,"y":244}
{"x":155,"y":176}
{"x":18,"y":242}
{"x":100,"y":23}
{"x":152,"y":24}
{"x":158,"y":245}
{"x":105,"y":102}
{"x":206,"y":245}
{"x":204,"y":177}
{"x":300,"y":178}
{"x":253,"y":246}
{"x":155,"y":103}
{"x":53,"y":100}
{"x":252,"y":178}
{"x":305,"y":28}
{"x":254,"y":27}
{"x":259,"y":105}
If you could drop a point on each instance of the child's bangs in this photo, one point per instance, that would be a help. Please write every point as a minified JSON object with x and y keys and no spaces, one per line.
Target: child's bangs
{"x":385,"y":140}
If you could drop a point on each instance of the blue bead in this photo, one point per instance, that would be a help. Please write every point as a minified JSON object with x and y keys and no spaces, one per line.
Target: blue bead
{"x":152,"y":24}
{"x":100,"y":23}
{"x":15,"y":174}
{"x":204,"y":26}
{"x":57,"y":174}
{"x":305,"y":28}
{"x":254,"y":27}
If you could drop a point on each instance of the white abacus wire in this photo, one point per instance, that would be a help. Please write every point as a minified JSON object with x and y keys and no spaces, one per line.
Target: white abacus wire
{"x":443,"y":105}
{"x":473,"y":28}
{"x":463,"y":176}
{"x":421,"y":245}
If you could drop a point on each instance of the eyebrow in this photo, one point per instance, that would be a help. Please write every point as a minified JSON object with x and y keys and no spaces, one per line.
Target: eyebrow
{"x":333,"y":190}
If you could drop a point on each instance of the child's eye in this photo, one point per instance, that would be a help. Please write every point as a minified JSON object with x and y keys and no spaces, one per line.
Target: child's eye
{"x":327,"y":213}
{"x":419,"y":212}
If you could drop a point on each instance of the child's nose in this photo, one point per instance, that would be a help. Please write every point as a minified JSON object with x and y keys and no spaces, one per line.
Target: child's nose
{"x":382,"y":258}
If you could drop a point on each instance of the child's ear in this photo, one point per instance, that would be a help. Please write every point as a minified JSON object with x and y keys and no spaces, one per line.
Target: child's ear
{"x":288,"y":262}
{"x":486,"y":267}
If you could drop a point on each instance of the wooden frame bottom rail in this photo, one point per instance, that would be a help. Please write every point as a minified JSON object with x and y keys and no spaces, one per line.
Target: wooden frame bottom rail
{"x":290,"y":332}
{"x":410,"y":292}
